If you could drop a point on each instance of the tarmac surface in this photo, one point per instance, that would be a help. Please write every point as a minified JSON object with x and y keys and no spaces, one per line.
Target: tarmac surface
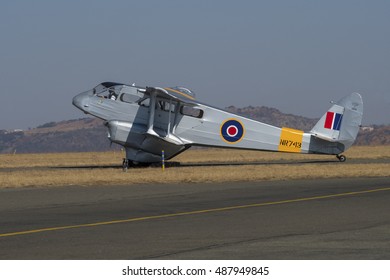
{"x":302,"y":219}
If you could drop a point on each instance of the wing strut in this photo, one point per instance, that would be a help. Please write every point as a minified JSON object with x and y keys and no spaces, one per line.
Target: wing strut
{"x":169,"y":117}
{"x":151,"y":114}
{"x":169,"y":136}
{"x":176,"y":116}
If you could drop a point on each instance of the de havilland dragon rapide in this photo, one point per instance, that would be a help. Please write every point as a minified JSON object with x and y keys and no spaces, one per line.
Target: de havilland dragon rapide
{"x":149,"y":120}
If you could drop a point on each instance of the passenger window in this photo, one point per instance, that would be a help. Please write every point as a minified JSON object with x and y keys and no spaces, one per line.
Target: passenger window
{"x":191,"y":111}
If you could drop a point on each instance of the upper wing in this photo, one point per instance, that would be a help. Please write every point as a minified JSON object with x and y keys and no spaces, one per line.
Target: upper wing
{"x":176,"y":93}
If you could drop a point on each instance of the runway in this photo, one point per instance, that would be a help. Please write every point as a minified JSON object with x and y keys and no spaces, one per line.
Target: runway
{"x":303,"y":219}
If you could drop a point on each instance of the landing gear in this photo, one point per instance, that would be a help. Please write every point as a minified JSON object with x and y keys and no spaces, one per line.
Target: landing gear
{"x":125,"y":164}
{"x":133,"y":164}
{"x":341,"y":158}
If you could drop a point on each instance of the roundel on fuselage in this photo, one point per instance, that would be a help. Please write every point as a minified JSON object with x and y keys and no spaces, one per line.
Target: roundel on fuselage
{"x":232,"y":131}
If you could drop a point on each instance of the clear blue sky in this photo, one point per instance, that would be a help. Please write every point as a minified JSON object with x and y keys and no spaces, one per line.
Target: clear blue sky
{"x":292,"y":55}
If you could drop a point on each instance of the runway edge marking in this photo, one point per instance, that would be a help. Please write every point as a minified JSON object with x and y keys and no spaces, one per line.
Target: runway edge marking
{"x":9,"y":234}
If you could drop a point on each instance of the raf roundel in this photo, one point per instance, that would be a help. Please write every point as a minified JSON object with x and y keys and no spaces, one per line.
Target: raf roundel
{"x":232,"y":131}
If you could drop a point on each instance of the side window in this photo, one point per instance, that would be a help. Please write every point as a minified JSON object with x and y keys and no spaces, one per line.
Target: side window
{"x":191,"y":111}
{"x":129,"y":98}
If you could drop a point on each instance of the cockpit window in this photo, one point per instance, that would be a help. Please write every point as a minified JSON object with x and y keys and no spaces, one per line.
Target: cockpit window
{"x":108,"y":93}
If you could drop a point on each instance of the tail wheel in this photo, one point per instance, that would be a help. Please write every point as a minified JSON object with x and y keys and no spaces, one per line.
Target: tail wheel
{"x":341,"y":158}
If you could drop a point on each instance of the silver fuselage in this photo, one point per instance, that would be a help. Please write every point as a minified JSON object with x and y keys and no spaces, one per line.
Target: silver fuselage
{"x":175,"y":125}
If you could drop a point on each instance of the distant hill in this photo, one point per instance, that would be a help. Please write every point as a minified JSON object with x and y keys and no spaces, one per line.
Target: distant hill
{"x":274,"y":117}
{"x":67,"y":136}
{"x":374,"y":135}
{"x":90,"y":134}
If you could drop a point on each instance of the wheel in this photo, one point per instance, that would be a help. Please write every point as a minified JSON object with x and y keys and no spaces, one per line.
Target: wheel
{"x":128,"y":163}
{"x":125,"y":164}
{"x":341,"y":158}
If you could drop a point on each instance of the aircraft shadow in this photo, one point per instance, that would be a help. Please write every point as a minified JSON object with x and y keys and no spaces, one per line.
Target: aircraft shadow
{"x":173,"y":164}
{"x":254,"y":163}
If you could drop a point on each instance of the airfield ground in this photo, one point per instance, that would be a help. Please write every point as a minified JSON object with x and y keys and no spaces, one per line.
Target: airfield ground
{"x":196,"y":165}
{"x":297,"y":219}
{"x":217,"y":204}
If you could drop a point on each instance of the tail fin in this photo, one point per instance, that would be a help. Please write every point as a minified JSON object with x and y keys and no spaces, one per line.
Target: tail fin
{"x":342,"y":121}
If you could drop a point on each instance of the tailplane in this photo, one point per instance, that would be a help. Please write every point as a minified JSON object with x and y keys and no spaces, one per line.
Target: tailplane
{"x":342,"y":121}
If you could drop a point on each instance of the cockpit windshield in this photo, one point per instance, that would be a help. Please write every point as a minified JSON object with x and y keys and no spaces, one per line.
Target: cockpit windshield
{"x":115,"y":91}
{"x":108,"y":90}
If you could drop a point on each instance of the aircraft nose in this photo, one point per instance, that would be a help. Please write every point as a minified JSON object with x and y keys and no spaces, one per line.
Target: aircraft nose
{"x":81,"y":100}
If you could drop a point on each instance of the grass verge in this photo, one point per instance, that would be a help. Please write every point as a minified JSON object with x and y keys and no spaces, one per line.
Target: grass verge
{"x":29,"y":170}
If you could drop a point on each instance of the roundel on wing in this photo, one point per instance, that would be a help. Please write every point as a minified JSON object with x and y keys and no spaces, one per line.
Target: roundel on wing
{"x":232,"y":131}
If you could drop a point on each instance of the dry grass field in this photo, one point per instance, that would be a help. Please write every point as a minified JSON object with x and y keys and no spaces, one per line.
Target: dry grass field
{"x":86,"y":169}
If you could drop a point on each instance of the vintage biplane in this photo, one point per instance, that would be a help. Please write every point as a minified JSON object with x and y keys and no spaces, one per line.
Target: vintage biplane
{"x":149,"y":120}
